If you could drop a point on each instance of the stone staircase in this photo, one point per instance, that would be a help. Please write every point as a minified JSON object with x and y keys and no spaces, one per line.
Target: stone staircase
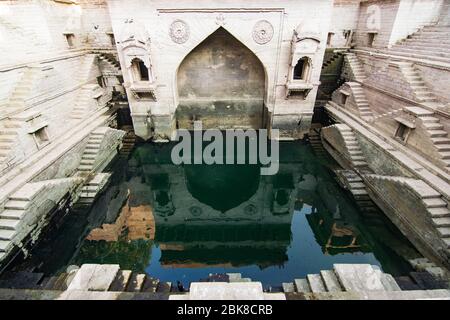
{"x":429,"y":43}
{"x":12,"y":215}
{"x":344,"y":278}
{"x":128,"y":141}
{"x":420,"y":90}
{"x":356,"y":67}
{"x":82,"y":103}
{"x":92,"y":188}
{"x":361,"y":101}
{"x":18,"y":96}
{"x":351,"y":181}
{"x":111,"y":61}
{"x":86,"y":64}
{"x":435,"y":131}
{"x":354,"y":151}
{"x":436,"y":208}
{"x":91,"y":150}
{"x":316,"y":143}
{"x":94,"y":277}
{"x":8,"y":139}
{"x":330,"y":62}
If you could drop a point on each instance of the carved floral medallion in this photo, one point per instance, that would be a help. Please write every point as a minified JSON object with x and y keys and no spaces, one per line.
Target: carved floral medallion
{"x":179,"y":31}
{"x":262,"y":32}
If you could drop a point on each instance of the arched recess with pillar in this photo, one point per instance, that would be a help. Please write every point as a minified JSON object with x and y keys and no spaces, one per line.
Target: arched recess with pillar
{"x":222,"y":83}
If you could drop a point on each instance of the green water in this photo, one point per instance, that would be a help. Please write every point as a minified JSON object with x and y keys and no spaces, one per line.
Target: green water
{"x":222,"y":218}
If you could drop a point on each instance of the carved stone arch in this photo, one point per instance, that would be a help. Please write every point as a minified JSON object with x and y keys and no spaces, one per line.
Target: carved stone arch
{"x":134,"y":51}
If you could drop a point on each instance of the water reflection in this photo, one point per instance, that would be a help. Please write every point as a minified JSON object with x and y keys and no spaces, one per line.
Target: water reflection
{"x":184,"y":222}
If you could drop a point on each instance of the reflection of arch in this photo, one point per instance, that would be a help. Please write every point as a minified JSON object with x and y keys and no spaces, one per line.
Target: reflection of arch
{"x":221,"y":75}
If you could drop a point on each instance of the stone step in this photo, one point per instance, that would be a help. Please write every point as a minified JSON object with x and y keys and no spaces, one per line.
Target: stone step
{"x":8,"y":138}
{"x":443,"y":147}
{"x":359,"y":163}
{"x":90,"y":151}
{"x":437,"y":133}
{"x":135,"y":283}
{"x":357,"y":185}
{"x":17,"y":205}
{"x":302,"y":285}
{"x":9,"y":224}
{"x":440,"y":140}
{"x":28,"y":192}
{"x":425,"y":51}
{"x":288,"y":287}
{"x":85,"y":168}
{"x":90,"y":188}
{"x":121,"y":281}
{"x":359,"y":192}
{"x":433,"y":126}
{"x":441,"y":212}
{"x":12,"y":214}
{"x":441,"y":222}
{"x":330,"y":281}
{"x":88,"y":157}
{"x":150,"y":285}
{"x":164,"y":287}
{"x":435,"y":203}
{"x":94,"y":146}
{"x":445,"y":155}
{"x":444,"y":232}
{"x":358,"y":277}
{"x":6,"y":235}
{"x":94,"y":277}
{"x":389,"y":282}
{"x":315,"y":283}
{"x":87,"y":162}
{"x":3,"y":245}
{"x":426,"y":56}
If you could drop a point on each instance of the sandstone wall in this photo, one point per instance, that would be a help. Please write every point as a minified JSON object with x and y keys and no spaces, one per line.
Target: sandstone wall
{"x":397,"y":19}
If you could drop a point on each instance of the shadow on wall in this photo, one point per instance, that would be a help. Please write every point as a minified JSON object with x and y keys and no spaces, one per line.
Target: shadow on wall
{"x":222,"y":83}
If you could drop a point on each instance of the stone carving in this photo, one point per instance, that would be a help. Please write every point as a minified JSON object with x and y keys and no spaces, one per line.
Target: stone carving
{"x":179,"y":31}
{"x":262,"y":32}
{"x":220,"y":20}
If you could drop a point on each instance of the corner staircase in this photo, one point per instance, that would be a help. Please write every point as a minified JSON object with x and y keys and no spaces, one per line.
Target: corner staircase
{"x":356,"y":67}
{"x":82,"y":103}
{"x":92,"y":188}
{"x":435,"y":206}
{"x":11,"y":216}
{"x":22,"y":90}
{"x":361,"y":101}
{"x":128,"y":141}
{"x":354,"y":183}
{"x":8,"y":138}
{"x":111,"y":61}
{"x":420,"y":90}
{"x":91,"y":150}
{"x":330,"y":62}
{"x":435,"y":131}
{"x":316,"y":143}
{"x":354,"y":151}
{"x":429,"y":43}
{"x":86,"y":64}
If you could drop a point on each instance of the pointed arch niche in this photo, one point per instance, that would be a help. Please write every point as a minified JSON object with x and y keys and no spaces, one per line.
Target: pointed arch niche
{"x":222,"y":83}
